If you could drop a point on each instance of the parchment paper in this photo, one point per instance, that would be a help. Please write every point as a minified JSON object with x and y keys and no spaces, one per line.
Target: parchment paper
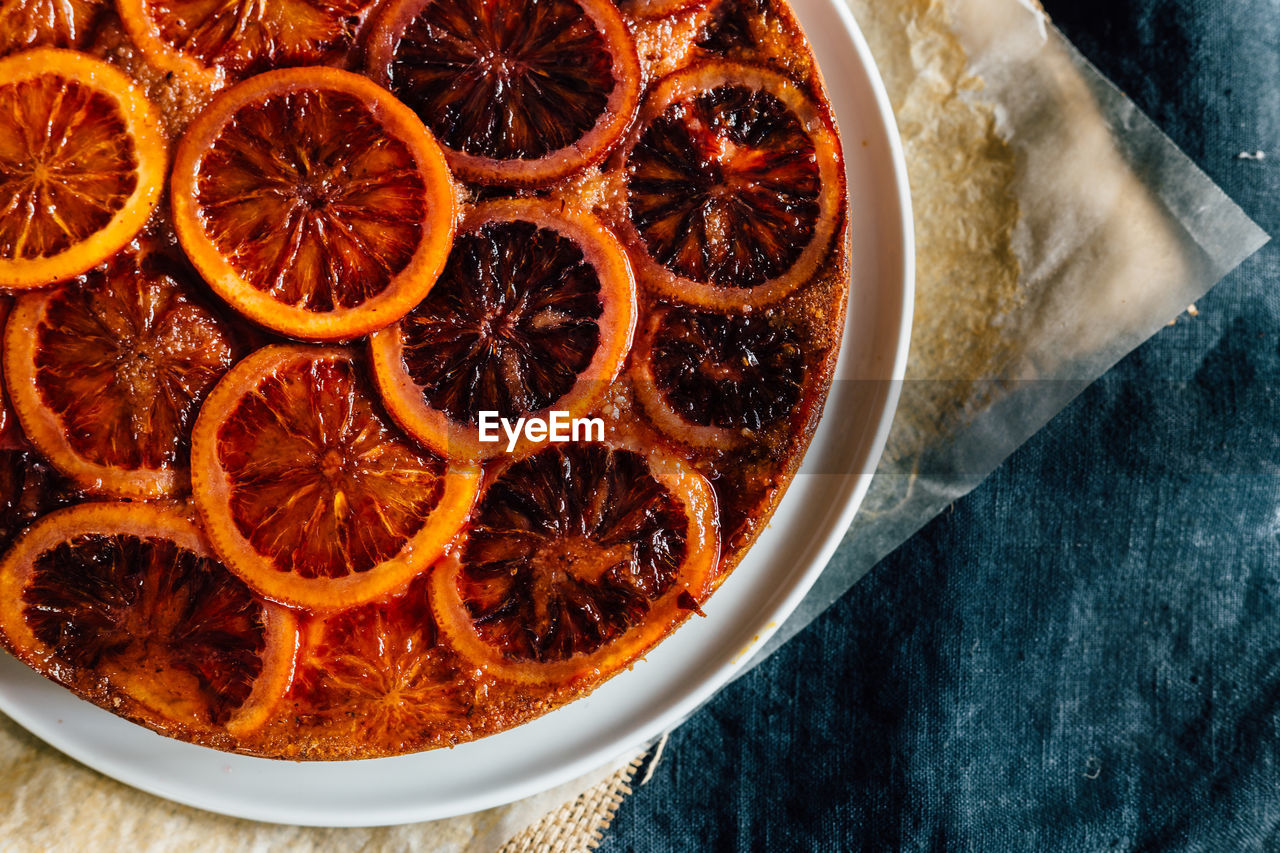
{"x":1057,"y":229}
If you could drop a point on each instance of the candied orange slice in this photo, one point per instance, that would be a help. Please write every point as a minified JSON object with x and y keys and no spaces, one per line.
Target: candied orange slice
{"x":522,"y":92}
{"x":48,"y":23}
{"x":734,"y":186}
{"x":308,"y":493}
{"x":29,"y":488}
{"x":314,"y":203}
{"x":10,"y":435}
{"x":534,"y":312}
{"x":125,"y":604}
{"x":378,"y":674}
{"x":107,"y":372}
{"x":82,"y":163}
{"x":578,"y":560}
{"x":714,"y":380}
{"x":216,"y":41}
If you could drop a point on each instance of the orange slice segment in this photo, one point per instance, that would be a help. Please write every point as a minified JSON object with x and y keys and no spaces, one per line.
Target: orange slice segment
{"x":10,"y":434}
{"x":107,"y":372}
{"x":314,"y":203}
{"x":125,"y":604}
{"x":308,"y":493}
{"x":216,"y":41}
{"x":378,"y":677}
{"x":82,"y":163}
{"x":48,"y":23}
{"x":734,"y":185}
{"x":579,"y":559}
{"x":534,"y":312}
{"x":522,"y":92}
{"x":713,"y":380}
{"x":29,"y":488}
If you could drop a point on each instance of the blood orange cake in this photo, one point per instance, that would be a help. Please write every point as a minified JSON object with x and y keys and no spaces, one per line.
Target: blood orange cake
{"x":382,"y":374}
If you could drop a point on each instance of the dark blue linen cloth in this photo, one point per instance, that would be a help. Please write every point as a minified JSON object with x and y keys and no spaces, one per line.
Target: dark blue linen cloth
{"x":1084,"y":653}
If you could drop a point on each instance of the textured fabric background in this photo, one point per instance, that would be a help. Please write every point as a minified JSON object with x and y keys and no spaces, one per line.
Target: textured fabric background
{"x":1084,"y":653}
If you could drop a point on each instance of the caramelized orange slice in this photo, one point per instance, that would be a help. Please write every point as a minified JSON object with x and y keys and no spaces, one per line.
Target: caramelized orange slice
{"x":308,"y":493}
{"x":534,"y":312}
{"x":108,"y":371}
{"x":217,"y":41}
{"x":714,"y":380}
{"x":48,"y":23}
{"x":314,"y":203}
{"x":579,"y":559}
{"x":10,"y":434}
{"x":734,"y":186}
{"x":522,"y":92}
{"x":125,"y":604}
{"x":82,"y":163}
{"x":378,"y":675}
{"x":29,"y":488}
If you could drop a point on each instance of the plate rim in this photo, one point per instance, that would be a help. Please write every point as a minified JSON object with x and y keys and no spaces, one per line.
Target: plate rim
{"x":48,"y":729}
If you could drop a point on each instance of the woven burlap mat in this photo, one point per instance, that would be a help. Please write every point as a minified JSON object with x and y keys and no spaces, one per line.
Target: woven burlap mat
{"x":580,"y":824}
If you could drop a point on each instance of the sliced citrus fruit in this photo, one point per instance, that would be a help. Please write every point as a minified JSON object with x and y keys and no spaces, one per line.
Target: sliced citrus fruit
{"x":308,"y":493}
{"x":82,"y":163}
{"x":226,"y":40}
{"x":735,"y":27}
{"x":314,"y":203}
{"x":48,"y":23}
{"x":125,"y":604}
{"x":378,"y":674}
{"x":29,"y":488}
{"x":534,"y":312}
{"x":734,"y":186}
{"x":578,"y":560}
{"x":523,"y":93}
{"x":10,"y":434}
{"x":107,"y":372}
{"x":710,"y":379}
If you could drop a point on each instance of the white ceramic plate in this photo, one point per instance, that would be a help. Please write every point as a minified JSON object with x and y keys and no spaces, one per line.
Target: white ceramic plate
{"x":685,"y":670}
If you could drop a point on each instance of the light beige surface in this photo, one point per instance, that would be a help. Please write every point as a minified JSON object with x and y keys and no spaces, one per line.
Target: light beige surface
{"x":51,"y":804}
{"x":580,"y":823}
{"x":962,"y":176}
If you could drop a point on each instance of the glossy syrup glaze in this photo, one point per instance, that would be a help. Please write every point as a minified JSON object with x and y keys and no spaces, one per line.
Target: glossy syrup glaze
{"x":653,"y":235}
